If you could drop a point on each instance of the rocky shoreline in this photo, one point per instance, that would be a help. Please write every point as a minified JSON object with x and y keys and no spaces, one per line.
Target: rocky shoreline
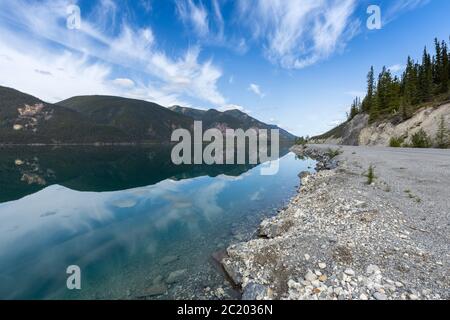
{"x":339,"y":239}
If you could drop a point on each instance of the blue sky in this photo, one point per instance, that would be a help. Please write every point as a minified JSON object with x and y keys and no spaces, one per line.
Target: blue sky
{"x":295,"y":63}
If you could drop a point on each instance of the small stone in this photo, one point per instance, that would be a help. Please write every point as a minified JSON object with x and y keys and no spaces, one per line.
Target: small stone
{"x":379,"y":296}
{"x":398,"y":284}
{"x":349,"y":272}
{"x":307,"y":257}
{"x":363,"y":297}
{"x":372,"y":269}
{"x":220,"y":293}
{"x":323,"y":278}
{"x":315,"y":283}
{"x":413,"y":297}
{"x":310,"y":276}
{"x":322,"y":265}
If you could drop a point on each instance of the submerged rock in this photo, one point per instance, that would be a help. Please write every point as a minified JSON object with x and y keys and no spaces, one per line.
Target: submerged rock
{"x":176,"y":276}
{"x":254,"y":291}
{"x":155,"y":290}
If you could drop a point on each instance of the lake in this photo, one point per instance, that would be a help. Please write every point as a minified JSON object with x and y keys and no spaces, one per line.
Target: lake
{"x":138,"y":226}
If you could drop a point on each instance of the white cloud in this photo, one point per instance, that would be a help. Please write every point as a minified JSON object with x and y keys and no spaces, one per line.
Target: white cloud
{"x":400,"y":6}
{"x":397,"y":68}
{"x":124,"y":82}
{"x":256,"y":90}
{"x":194,"y":15}
{"x":135,"y":50}
{"x":299,"y":33}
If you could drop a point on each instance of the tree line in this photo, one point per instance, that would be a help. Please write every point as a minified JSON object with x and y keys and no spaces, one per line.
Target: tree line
{"x":422,"y":82}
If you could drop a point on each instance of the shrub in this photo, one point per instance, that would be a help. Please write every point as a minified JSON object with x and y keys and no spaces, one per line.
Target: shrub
{"x":420,"y":140}
{"x":370,"y":175}
{"x":442,"y":135}
{"x":396,"y":142}
{"x":301,"y":141}
{"x":333,"y":153}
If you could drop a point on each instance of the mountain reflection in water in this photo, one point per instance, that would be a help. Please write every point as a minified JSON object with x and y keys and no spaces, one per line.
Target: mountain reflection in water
{"x":120,"y":214}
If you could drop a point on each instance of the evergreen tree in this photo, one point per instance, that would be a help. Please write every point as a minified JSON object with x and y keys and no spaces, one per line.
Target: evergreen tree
{"x":445,"y":68}
{"x":410,"y":83}
{"x":442,"y":134}
{"x":368,"y":100}
{"x":425,"y":77}
{"x":393,"y":95}
{"x":355,"y":108}
{"x":437,"y":64}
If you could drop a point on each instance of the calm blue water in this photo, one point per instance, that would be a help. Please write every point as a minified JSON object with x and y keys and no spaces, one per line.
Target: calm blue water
{"x":127,"y":218}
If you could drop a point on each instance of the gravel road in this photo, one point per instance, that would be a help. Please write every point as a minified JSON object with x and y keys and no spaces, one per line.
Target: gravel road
{"x":421,"y":175}
{"x":341,"y":238}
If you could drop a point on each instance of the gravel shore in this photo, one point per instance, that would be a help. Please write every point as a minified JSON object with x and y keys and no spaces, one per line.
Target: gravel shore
{"x":341,"y":238}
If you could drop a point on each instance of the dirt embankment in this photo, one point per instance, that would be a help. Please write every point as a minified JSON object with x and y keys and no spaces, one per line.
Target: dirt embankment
{"x":358,"y":131}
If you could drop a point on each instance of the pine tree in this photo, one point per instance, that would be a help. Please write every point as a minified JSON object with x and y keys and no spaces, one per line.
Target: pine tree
{"x":425,"y":77}
{"x":442,"y":134}
{"x":393,"y":96}
{"x":405,"y":110}
{"x":410,"y":83}
{"x":374,"y":114}
{"x":355,"y":108}
{"x":437,"y":64}
{"x":445,"y":68}
{"x":368,"y":100}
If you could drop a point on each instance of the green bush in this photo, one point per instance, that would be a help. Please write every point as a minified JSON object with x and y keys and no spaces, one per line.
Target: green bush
{"x":396,"y":142}
{"x":301,"y":141}
{"x":333,"y":153}
{"x":420,"y":140}
{"x":370,"y":175}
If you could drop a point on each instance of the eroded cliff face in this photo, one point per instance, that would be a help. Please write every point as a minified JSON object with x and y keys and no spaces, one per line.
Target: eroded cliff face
{"x":427,"y":119}
{"x":358,"y":131}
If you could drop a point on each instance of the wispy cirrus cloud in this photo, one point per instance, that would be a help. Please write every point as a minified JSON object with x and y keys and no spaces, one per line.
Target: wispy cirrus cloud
{"x":195,"y":15}
{"x":299,"y":33}
{"x":398,"y":7}
{"x":256,"y":90}
{"x":40,"y":27}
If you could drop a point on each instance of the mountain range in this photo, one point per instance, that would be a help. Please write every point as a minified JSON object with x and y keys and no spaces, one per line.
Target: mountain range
{"x":25,"y":119}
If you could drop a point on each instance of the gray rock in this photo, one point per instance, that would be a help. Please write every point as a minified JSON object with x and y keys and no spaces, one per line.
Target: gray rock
{"x":310,"y":276}
{"x":155,"y":290}
{"x":176,"y":276}
{"x":379,"y":296}
{"x":233,"y":273}
{"x":254,"y":291}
